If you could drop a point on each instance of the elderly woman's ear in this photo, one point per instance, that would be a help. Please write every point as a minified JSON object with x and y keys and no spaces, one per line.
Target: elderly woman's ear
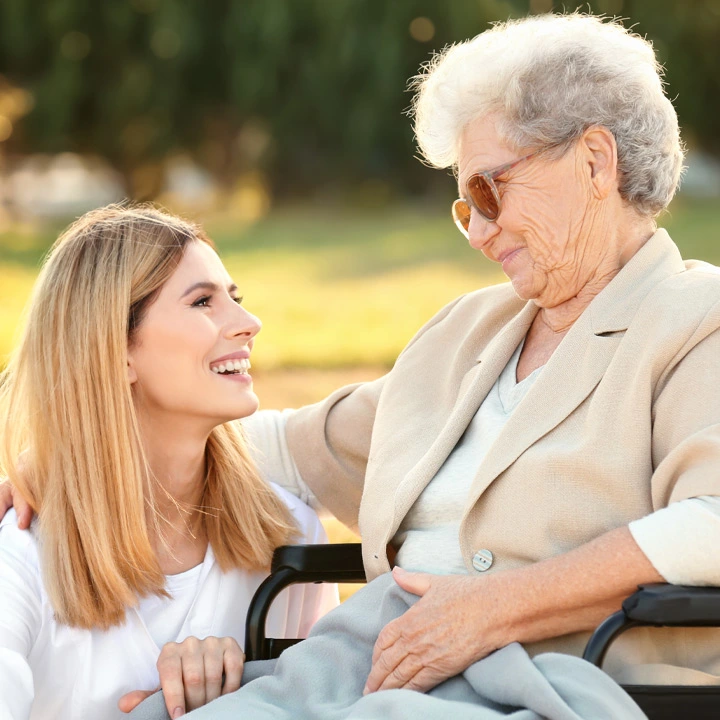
{"x":598,"y":153}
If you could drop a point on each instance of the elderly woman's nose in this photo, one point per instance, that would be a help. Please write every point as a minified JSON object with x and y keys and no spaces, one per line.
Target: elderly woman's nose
{"x":481,"y":231}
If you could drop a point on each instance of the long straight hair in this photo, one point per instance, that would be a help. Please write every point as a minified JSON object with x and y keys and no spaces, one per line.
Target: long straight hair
{"x":70,"y":436}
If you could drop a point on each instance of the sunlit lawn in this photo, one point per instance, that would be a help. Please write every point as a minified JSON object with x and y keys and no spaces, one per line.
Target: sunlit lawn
{"x":341,"y":289}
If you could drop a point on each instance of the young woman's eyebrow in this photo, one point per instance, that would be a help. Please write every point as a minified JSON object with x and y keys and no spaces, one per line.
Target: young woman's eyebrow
{"x":209,"y":286}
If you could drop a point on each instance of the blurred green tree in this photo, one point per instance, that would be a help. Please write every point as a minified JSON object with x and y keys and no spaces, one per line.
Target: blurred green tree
{"x":308,"y":92}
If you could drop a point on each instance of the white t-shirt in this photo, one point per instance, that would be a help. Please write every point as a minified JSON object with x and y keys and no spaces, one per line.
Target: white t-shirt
{"x":50,"y":671}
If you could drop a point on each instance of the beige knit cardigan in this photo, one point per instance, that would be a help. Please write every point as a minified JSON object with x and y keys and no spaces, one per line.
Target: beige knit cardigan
{"x":623,"y":420}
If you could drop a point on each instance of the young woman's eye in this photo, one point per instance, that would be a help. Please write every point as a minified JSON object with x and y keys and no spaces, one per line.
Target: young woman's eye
{"x":202,"y":301}
{"x":238,"y":300}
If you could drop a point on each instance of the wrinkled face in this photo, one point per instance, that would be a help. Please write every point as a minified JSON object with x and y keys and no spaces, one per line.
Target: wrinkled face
{"x":194,"y":329}
{"x":542,"y":236}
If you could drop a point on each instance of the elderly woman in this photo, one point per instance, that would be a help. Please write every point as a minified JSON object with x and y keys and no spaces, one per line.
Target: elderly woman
{"x":540,"y":447}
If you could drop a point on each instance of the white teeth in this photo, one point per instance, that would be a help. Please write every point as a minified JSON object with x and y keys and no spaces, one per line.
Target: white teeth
{"x":232,"y":366}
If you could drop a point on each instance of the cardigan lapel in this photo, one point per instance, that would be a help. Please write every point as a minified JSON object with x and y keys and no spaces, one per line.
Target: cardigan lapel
{"x":474,"y":387}
{"x":571,"y":374}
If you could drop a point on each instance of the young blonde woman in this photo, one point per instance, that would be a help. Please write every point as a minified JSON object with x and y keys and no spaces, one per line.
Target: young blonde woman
{"x":153,"y":528}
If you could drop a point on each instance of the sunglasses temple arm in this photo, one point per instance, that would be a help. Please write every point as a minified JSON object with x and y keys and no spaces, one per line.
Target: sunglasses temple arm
{"x":509,"y":166}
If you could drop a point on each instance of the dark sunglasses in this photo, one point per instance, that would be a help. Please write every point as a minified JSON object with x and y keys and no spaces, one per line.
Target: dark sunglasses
{"x":482,"y":194}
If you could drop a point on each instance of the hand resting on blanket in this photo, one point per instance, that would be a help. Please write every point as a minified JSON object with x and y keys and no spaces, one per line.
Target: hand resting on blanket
{"x":461,"y":619}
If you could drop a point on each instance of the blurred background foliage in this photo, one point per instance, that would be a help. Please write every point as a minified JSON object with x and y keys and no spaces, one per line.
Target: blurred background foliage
{"x":307,"y":92}
{"x":280,"y":124}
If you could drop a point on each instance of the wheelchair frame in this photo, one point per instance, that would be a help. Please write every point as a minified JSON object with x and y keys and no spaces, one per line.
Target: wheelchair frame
{"x":658,"y":605}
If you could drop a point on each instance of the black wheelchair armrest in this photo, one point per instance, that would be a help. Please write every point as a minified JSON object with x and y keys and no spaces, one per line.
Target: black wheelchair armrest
{"x":340,"y":562}
{"x":658,"y":605}
{"x":674,"y":605}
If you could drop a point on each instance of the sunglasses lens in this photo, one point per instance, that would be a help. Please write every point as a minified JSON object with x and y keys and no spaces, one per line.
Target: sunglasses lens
{"x":461,"y":216}
{"x":483,"y":195}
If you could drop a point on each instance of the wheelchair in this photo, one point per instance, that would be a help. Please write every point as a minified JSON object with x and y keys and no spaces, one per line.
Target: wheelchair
{"x":657,"y":605}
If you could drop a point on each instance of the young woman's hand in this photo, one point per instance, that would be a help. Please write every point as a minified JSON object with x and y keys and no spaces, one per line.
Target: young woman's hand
{"x":9,"y":496}
{"x":192,"y":673}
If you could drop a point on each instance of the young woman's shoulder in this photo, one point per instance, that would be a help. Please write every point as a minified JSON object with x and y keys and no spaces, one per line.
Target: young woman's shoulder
{"x":19,"y":560}
{"x":309,"y":525}
{"x":21,"y":543}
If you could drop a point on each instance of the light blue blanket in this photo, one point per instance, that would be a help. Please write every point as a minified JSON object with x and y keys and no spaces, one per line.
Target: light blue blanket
{"x":323,"y":679}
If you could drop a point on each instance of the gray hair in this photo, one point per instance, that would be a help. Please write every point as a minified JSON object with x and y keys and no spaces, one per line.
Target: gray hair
{"x":549,"y":78}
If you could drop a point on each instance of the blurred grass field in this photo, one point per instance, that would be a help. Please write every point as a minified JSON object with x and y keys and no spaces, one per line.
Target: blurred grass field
{"x":338,"y":289}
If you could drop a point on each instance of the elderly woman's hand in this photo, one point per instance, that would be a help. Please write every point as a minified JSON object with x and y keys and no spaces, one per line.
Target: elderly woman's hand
{"x":458,"y":620}
{"x":192,"y":673}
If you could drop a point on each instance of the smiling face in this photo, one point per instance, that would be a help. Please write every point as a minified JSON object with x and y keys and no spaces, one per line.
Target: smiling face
{"x":545,"y":235}
{"x":189,"y":357}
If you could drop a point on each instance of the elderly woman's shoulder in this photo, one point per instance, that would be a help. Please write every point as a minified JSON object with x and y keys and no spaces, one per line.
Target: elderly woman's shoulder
{"x":699,"y":269}
{"x":491,"y":307}
{"x":685,"y":299}
{"x":699,"y":284}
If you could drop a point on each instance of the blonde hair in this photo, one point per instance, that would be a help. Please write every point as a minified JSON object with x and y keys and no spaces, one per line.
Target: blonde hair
{"x":70,"y":438}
